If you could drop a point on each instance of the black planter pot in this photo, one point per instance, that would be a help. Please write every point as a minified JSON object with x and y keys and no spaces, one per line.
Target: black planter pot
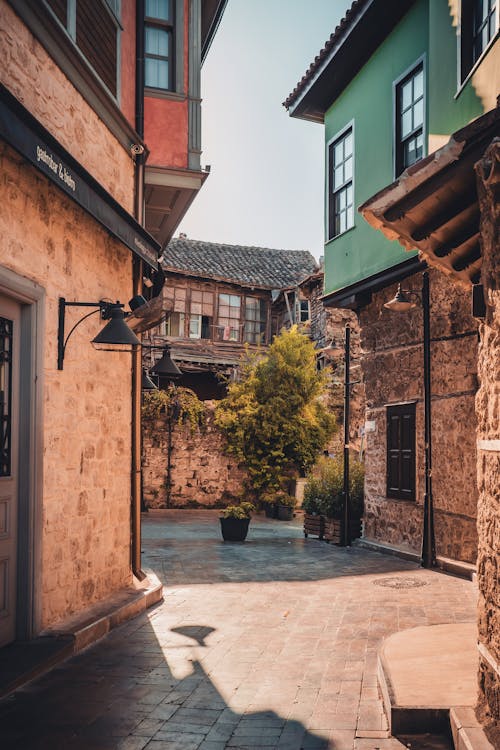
{"x":271,"y":510}
{"x":234,"y":529}
{"x":285,"y":512}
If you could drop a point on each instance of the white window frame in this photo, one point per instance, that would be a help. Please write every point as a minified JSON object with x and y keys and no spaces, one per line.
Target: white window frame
{"x":329,"y":182}
{"x":462,"y":80}
{"x":422,"y":60}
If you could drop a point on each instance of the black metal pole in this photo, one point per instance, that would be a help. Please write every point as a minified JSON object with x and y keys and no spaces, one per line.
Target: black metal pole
{"x":428,"y":540}
{"x":346,"y":536}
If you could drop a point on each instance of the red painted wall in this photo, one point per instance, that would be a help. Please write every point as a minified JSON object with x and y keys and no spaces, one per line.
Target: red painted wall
{"x":128,"y":53}
{"x":166,"y":120}
{"x":166,"y":132}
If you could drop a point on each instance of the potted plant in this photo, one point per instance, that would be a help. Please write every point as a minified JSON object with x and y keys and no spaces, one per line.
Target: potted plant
{"x":285,"y":504}
{"x":324,"y":493}
{"x":234,"y":521}
{"x":268,"y":503}
{"x":314,"y":521}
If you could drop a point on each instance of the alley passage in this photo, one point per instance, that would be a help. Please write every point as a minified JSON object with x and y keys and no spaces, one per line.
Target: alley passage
{"x":267,"y":644}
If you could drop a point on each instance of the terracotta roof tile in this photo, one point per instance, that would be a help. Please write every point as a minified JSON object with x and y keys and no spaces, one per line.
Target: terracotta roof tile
{"x":249,"y":266}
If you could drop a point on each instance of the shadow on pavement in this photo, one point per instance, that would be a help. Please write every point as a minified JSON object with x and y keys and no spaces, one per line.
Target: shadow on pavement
{"x":125,"y":693}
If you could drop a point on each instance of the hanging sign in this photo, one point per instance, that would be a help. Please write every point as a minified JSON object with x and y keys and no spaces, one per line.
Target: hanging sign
{"x":24,"y":133}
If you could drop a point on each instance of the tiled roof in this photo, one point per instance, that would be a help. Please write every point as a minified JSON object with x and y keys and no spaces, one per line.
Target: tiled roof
{"x":350,"y":16}
{"x":249,"y":266}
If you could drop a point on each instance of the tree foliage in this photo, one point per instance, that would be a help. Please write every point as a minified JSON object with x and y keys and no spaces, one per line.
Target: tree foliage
{"x":179,"y":404}
{"x":274,"y":419}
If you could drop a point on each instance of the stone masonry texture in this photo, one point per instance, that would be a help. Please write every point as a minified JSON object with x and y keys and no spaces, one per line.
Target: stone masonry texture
{"x":84,"y":501}
{"x":392,"y":366}
{"x":202,"y":474}
{"x":86,"y":409}
{"x":35,"y":80}
{"x":488,"y":428}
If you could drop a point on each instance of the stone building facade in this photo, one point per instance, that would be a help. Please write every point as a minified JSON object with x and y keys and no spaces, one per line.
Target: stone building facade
{"x":72,"y":177}
{"x":473,"y":271}
{"x":392,"y":344}
{"x":488,"y":444}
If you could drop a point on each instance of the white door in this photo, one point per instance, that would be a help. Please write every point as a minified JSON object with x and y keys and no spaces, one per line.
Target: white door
{"x":10,"y":318}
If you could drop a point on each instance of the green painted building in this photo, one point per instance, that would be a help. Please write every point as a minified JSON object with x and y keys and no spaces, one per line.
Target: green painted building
{"x":392,"y":83}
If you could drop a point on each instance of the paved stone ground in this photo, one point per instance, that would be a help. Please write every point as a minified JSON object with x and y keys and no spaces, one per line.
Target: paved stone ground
{"x":267,"y":644}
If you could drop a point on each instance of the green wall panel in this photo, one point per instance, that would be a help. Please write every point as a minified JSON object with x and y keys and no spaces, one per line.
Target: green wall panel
{"x":368,"y":102}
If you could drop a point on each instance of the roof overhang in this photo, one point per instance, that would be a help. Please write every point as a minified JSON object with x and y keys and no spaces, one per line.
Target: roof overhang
{"x":433,"y":207}
{"x":168,"y":194}
{"x":356,"y":38}
{"x":211,"y":15}
{"x":357,"y":295}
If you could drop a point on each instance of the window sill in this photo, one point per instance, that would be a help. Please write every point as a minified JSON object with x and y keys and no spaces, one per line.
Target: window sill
{"x":164,"y":94}
{"x":337,"y":236}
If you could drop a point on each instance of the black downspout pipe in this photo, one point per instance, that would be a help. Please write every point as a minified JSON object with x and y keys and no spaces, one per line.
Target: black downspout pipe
{"x":428,"y":539}
{"x":346,"y":536}
{"x":139,"y":68}
{"x":136,"y":479}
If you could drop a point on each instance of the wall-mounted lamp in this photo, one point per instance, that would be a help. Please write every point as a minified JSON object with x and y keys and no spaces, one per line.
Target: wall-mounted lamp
{"x":115,"y":336}
{"x":402,"y":302}
{"x":166,"y":367}
{"x":147,"y":383}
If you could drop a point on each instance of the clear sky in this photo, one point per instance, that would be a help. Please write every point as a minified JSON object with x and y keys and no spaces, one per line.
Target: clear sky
{"x":267,"y":169}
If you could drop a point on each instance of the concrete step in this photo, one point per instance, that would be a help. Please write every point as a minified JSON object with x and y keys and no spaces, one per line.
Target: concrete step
{"x":428,"y":679}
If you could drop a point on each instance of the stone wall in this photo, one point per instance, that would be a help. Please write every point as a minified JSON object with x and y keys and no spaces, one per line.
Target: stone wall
{"x":327,"y":331}
{"x":202,"y":474}
{"x":32,"y":77}
{"x":488,"y":435}
{"x":85,"y":499}
{"x":393,"y":372}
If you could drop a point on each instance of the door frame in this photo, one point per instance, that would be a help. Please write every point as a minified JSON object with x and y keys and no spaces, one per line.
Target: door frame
{"x":31,"y":297}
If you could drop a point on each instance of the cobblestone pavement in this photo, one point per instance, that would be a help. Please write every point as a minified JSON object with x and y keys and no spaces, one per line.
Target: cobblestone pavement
{"x":267,"y":644}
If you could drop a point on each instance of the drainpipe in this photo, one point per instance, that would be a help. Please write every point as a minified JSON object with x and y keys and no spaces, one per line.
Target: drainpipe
{"x":346,"y":536}
{"x":136,"y":479}
{"x":428,"y":537}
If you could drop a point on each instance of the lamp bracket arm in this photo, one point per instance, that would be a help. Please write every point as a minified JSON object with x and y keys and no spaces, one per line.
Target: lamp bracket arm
{"x":76,"y":326}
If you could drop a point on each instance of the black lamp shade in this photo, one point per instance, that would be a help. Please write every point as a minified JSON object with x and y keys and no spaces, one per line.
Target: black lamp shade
{"x":147,"y":383}
{"x":116,"y":335}
{"x":166,"y":367}
{"x":400,"y":303}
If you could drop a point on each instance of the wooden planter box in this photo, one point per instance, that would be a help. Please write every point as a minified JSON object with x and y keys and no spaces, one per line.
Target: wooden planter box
{"x":314,"y":525}
{"x":333,"y":529}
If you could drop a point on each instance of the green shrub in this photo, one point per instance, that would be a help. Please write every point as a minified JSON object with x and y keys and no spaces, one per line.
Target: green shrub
{"x":323,"y":492}
{"x":274,"y":418}
{"x":243,"y":510}
{"x":179,"y":404}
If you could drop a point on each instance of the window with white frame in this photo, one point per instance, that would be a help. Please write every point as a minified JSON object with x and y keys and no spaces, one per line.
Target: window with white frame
{"x":302,"y":310}
{"x":159,"y":44}
{"x":341,"y":195}
{"x":479,"y":23}
{"x":409,"y":126}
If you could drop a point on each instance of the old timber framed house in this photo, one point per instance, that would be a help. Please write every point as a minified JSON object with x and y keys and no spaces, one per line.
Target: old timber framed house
{"x":220,"y":299}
